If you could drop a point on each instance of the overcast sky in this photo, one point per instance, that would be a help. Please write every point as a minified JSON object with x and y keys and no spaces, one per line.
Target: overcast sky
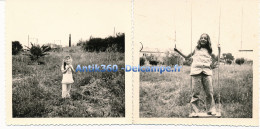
{"x":50,"y":20}
{"x":157,"y":20}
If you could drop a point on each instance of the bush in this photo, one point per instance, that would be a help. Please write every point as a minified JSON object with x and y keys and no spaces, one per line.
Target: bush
{"x":16,"y":47}
{"x":229,"y":62}
{"x":80,"y":43}
{"x":240,"y":61}
{"x":142,"y":61}
{"x":153,"y":62}
{"x":116,"y":44}
{"x":173,"y":59}
{"x":36,"y":51}
{"x":28,"y":99}
{"x":71,"y":51}
{"x":228,"y":57}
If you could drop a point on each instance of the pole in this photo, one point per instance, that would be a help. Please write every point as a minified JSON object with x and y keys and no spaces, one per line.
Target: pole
{"x":175,"y":46}
{"x":241,"y":25}
{"x":114,"y":31}
{"x":28,"y":40}
{"x":70,"y":40}
{"x":191,"y":46}
{"x":219,"y":57}
{"x":218,"y":79}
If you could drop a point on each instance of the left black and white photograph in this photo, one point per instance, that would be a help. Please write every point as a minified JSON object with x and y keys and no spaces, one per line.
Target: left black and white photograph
{"x":65,"y":58}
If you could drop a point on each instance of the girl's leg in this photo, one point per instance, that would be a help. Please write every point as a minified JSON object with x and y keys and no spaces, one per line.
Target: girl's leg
{"x":64,"y":91}
{"x":196,"y":88}
{"x":68,"y":90}
{"x":208,"y":88}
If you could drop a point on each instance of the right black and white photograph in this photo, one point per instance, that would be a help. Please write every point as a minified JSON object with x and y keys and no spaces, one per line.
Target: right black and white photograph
{"x":196,"y":58}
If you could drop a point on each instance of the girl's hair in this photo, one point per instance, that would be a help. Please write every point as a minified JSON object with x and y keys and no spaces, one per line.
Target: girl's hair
{"x":208,"y":45}
{"x":64,"y":63}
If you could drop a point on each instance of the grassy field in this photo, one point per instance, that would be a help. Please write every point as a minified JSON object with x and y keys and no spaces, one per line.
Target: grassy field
{"x":168,"y":94}
{"x":36,"y":89}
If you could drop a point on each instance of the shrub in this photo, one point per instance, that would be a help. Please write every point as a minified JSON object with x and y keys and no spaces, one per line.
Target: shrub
{"x":153,"y":62}
{"x":28,"y":99}
{"x":107,"y":44}
{"x":172,"y":59}
{"x":80,"y":43}
{"x":16,"y":47}
{"x":240,"y":61}
{"x":228,"y":57}
{"x":71,"y":51}
{"x":36,"y":51}
{"x":142,"y":61}
{"x":229,"y":62}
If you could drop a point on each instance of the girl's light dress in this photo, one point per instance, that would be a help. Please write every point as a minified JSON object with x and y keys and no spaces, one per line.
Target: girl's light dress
{"x":67,"y":77}
{"x":201,"y":62}
{"x":201,"y":74}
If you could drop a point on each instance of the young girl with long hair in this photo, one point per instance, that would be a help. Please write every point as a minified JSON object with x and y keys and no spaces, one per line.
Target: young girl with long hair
{"x":67,"y":78}
{"x":201,"y":73}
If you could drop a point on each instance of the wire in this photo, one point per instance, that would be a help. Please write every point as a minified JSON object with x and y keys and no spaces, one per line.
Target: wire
{"x":191,"y":43}
{"x":219,"y":57}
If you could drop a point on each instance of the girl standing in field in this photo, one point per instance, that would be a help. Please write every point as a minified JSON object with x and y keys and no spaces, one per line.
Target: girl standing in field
{"x":67,"y":79}
{"x":201,"y":73}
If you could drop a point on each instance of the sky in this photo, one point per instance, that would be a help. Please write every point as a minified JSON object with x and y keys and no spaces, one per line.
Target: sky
{"x":53,"y":20}
{"x":157,"y":21}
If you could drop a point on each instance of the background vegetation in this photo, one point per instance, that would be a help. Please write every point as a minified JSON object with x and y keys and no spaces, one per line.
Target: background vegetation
{"x":116,"y":44}
{"x":36,"y":89}
{"x":168,"y":94}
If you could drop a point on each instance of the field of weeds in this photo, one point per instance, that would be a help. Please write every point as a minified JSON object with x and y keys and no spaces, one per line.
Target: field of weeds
{"x":168,"y":94}
{"x":36,"y":89}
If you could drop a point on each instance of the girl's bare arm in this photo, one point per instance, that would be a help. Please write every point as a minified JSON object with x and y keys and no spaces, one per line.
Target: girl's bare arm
{"x":62,"y":70}
{"x":186,"y":57}
{"x":72,"y":68}
{"x":215,"y":62}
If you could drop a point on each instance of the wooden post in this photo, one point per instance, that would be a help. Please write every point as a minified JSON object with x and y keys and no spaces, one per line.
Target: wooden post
{"x":28,"y":41}
{"x":70,"y":41}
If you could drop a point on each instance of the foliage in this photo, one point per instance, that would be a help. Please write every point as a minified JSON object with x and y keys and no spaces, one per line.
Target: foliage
{"x":152,"y":59}
{"x":37,"y":51}
{"x":172,"y":58}
{"x":229,"y":62}
{"x":228,"y":57}
{"x":16,"y":47}
{"x":168,"y":95}
{"x":116,"y":44}
{"x":36,"y":89}
{"x":81,"y":42}
{"x":153,"y":62}
{"x":142,"y":61}
{"x":240,"y":61}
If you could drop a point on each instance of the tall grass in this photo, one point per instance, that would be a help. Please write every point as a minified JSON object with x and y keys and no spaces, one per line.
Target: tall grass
{"x":37,"y":88}
{"x":168,"y":94}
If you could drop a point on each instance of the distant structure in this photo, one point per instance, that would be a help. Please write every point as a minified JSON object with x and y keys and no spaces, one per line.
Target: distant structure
{"x":53,"y":46}
{"x":153,"y":53}
{"x":70,"y":41}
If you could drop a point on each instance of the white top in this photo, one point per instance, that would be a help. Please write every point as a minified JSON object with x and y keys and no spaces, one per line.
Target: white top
{"x":201,"y":62}
{"x":67,"y":76}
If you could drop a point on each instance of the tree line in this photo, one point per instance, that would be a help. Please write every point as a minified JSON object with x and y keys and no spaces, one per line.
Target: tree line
{"x":111,"y":43}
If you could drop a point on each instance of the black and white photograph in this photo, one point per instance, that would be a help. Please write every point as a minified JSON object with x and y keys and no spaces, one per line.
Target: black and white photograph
{"x":131,"y":62}
{"x":208,"y":48}
{"x":58,"y":50}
